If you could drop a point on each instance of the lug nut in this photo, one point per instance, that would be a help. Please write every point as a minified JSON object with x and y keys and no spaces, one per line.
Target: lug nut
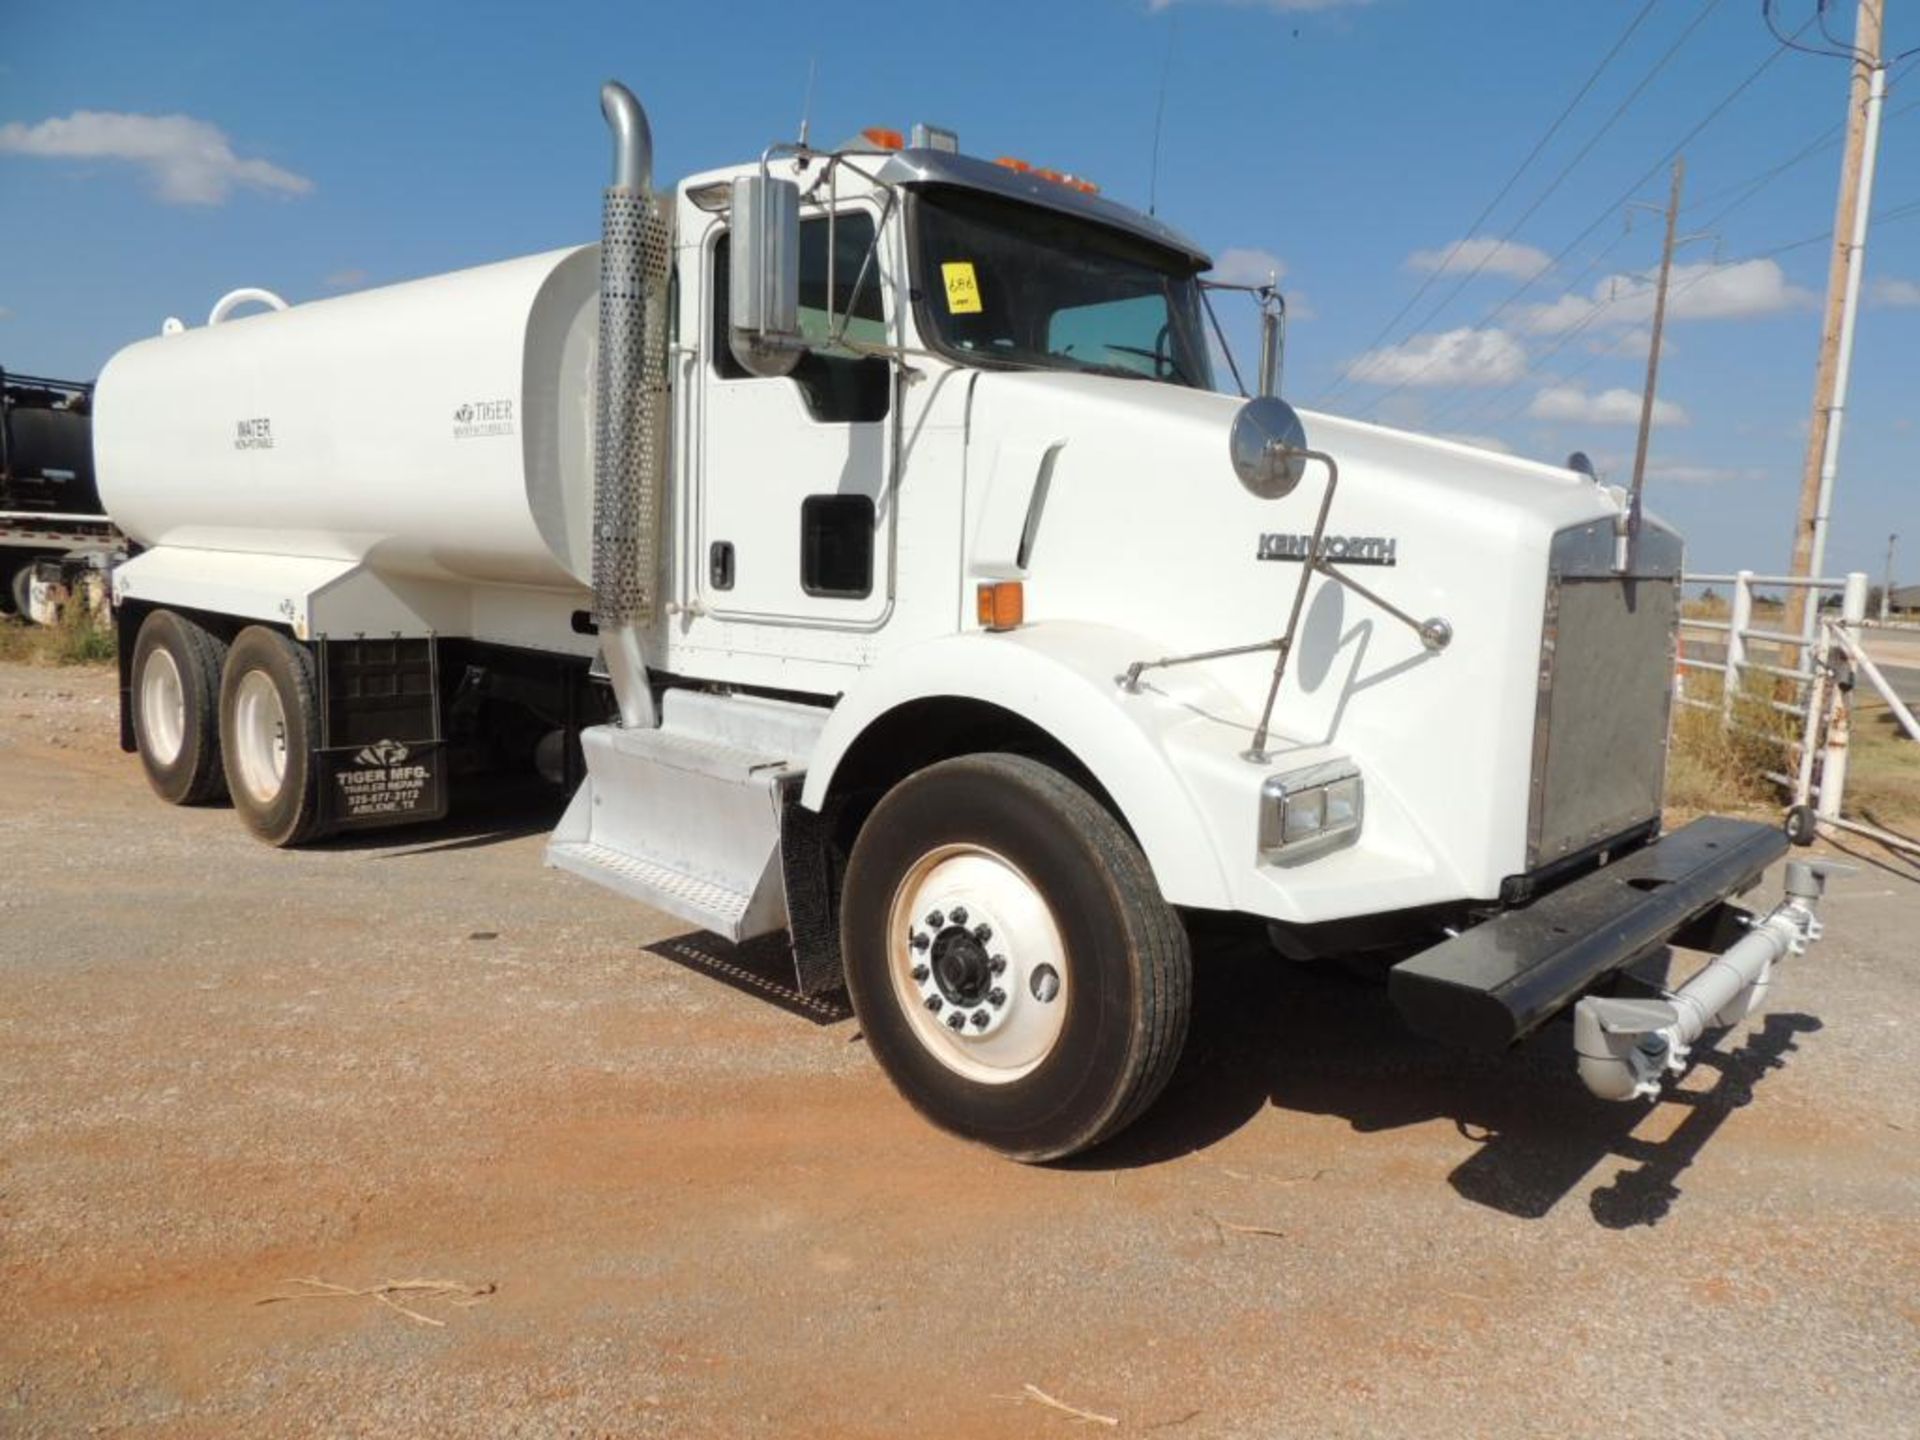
{"x":919,"y":940}
{"x":919,"y":974}
{"x":996,"y":997}
{"x":959,"y":914}
{"x":983,"y":933}
{"x":979,"y":1019}
{"x":998,"y":964}
{"x":956,"y":1020}
{"x":935,"y":920}
{"x":934,"y":1002}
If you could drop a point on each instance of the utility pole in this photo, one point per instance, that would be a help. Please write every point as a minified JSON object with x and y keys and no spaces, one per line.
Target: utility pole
{"x":1864,"y":100}
{"x":1653,"y":368}
{"x":1886,"y":590}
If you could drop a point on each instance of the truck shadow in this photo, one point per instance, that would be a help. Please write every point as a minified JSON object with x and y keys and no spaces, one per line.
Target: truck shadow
{"x":489,"y":811}
{"x":1319,"y":1042}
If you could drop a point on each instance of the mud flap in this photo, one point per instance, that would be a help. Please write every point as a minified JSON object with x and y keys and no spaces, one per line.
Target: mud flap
{"x":381,"y":760}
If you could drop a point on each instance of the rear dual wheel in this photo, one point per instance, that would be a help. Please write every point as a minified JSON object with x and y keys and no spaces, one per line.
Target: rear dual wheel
{"x":1013,"y":966}
{"x":175,"y":679}
{"x":269,"y":726}
{"x":211,"y":719}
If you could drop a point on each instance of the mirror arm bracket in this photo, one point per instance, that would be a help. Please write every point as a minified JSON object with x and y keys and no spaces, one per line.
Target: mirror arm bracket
{"x":1435,"y":633}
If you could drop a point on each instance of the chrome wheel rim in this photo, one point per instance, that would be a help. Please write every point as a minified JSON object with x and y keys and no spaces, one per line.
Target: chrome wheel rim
{"x":163,"y":707}
{"x":259,"y":740}
{"x":978,"y":964}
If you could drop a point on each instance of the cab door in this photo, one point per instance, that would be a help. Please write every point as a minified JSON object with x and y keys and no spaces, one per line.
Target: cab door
{"x":793,"y":516}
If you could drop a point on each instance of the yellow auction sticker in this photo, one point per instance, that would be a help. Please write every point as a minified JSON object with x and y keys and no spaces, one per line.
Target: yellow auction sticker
{"x":963,"y":288}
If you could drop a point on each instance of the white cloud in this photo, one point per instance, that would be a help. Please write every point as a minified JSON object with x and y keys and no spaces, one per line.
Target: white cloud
{"x":345,"y":279}
{"x":1485,"y":442}
{"x":1696,"y":292}
{"x":1247,"y":265}
{"x":1604,"y":407}
{"x":188,"y":161}
{"x":1463,"y":357}
{"x":1483,"y":255}
{"x":1894,"y":294}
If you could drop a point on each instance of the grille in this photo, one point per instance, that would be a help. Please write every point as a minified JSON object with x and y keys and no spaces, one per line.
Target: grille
{"x":1605,"y":691}
{"x":630,"y":407}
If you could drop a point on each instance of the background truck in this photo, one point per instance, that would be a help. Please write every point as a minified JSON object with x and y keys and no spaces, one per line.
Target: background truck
{"x":859,"y":536}
{"x":51,"y":521}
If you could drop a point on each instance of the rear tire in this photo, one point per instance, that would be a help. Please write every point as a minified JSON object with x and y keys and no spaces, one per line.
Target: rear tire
{"x":175,"y":679}
{"x":21,"y":588}
{"x":269,"y":725}
{"x":995,"y":876}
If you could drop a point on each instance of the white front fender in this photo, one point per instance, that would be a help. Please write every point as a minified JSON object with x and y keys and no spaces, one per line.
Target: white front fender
{"x":1061,"y":677}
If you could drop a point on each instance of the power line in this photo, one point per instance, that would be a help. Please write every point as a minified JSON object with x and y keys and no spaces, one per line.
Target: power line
{"x":1434,"y":275}
{"x":1619,"y":111}
{"x":1900,"y":212}
{"x":1477,"y":404}
{"x":1612,"y":206}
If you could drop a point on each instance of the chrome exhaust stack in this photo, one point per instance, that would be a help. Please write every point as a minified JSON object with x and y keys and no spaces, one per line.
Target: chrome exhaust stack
{"x":630,"y":394}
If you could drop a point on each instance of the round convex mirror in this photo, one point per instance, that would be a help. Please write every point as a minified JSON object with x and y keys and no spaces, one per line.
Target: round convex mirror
{"x":1266,"y":442}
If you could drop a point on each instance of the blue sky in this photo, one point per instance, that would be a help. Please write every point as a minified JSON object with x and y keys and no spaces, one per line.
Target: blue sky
{"x":315,"y":148}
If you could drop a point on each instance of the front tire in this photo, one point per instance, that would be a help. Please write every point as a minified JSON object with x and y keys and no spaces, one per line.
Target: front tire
{"x":993,"y":891}
{"x":269,"y":725}
{"x":175,"y":679}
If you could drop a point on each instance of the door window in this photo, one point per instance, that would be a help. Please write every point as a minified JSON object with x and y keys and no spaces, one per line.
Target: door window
{"x":839,"y":385}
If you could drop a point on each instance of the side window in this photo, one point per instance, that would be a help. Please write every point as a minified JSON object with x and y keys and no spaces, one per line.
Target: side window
{"x":838,"y":385}
{"x":836,"y":546}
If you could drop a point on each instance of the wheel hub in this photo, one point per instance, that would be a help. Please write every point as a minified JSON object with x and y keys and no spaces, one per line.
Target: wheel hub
{"x":979,"y":964}
{"x":961,"y":966}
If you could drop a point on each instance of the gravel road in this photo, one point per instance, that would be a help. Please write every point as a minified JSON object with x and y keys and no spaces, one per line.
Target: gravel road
{"x":656,"y":1195}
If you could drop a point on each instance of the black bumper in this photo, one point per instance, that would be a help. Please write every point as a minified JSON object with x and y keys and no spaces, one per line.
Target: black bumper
{"x":1489,"y":986}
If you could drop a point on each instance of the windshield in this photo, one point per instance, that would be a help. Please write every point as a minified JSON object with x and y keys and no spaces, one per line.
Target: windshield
{"x":999,"y":282}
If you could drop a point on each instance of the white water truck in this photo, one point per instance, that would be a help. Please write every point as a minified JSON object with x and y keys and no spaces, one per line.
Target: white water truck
{"x":860,"y":535}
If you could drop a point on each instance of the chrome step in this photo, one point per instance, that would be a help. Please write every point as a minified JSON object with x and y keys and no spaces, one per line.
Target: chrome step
{"x":683,"y":819}
{"x":703,"y":902}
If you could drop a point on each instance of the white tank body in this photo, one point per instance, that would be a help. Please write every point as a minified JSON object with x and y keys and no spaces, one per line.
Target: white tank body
{"x":440,"y":428}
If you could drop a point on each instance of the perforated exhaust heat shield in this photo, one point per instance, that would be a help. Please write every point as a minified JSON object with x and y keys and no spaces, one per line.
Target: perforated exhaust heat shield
{"x":630,"y":454}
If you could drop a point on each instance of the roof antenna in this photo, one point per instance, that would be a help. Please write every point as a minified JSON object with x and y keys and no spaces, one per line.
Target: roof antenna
{"x":806,"y":106}
{"x":1159,"y":110}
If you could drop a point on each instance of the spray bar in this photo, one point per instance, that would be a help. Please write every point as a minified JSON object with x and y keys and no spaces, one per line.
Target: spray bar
{"x":1626,"y":1047}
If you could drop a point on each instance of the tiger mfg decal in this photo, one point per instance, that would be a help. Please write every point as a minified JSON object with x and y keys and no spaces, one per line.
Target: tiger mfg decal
{"x":1351,"y":549}
{"x":383,"y":783}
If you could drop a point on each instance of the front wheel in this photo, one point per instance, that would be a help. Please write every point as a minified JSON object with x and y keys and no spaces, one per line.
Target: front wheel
{"x":1012,"y":964}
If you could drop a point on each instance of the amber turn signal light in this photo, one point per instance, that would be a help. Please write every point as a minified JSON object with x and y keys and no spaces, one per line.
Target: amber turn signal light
{"x":1003,"y":604}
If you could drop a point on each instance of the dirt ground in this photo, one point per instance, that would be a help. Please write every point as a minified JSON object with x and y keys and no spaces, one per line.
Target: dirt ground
{"x":676,"y":1201}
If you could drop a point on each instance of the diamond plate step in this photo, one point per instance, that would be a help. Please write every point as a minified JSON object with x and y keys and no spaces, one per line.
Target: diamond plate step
{"x":702,"y":902}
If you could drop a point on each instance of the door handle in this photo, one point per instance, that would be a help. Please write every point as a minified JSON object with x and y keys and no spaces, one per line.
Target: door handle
{"x":720,"y":565}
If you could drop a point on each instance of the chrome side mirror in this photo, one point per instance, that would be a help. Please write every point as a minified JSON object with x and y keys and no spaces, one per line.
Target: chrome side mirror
{"x":763,"y":276}
{"x":1267,"y":444}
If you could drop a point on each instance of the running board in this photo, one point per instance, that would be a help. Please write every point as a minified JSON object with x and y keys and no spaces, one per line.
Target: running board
{"x":681,"y":821}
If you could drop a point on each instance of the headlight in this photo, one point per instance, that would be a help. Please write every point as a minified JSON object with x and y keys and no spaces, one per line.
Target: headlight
{"x":1302,"y":811}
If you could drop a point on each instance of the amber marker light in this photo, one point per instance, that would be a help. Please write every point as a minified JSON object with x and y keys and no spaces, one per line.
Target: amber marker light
{"x":1003,"y":604}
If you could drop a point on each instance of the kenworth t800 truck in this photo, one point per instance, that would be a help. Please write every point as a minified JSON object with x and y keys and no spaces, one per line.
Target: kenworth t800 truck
{"x":860,"y":536}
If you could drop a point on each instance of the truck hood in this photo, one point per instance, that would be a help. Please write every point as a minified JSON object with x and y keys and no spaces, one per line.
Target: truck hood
{"x":1115,"y":502}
